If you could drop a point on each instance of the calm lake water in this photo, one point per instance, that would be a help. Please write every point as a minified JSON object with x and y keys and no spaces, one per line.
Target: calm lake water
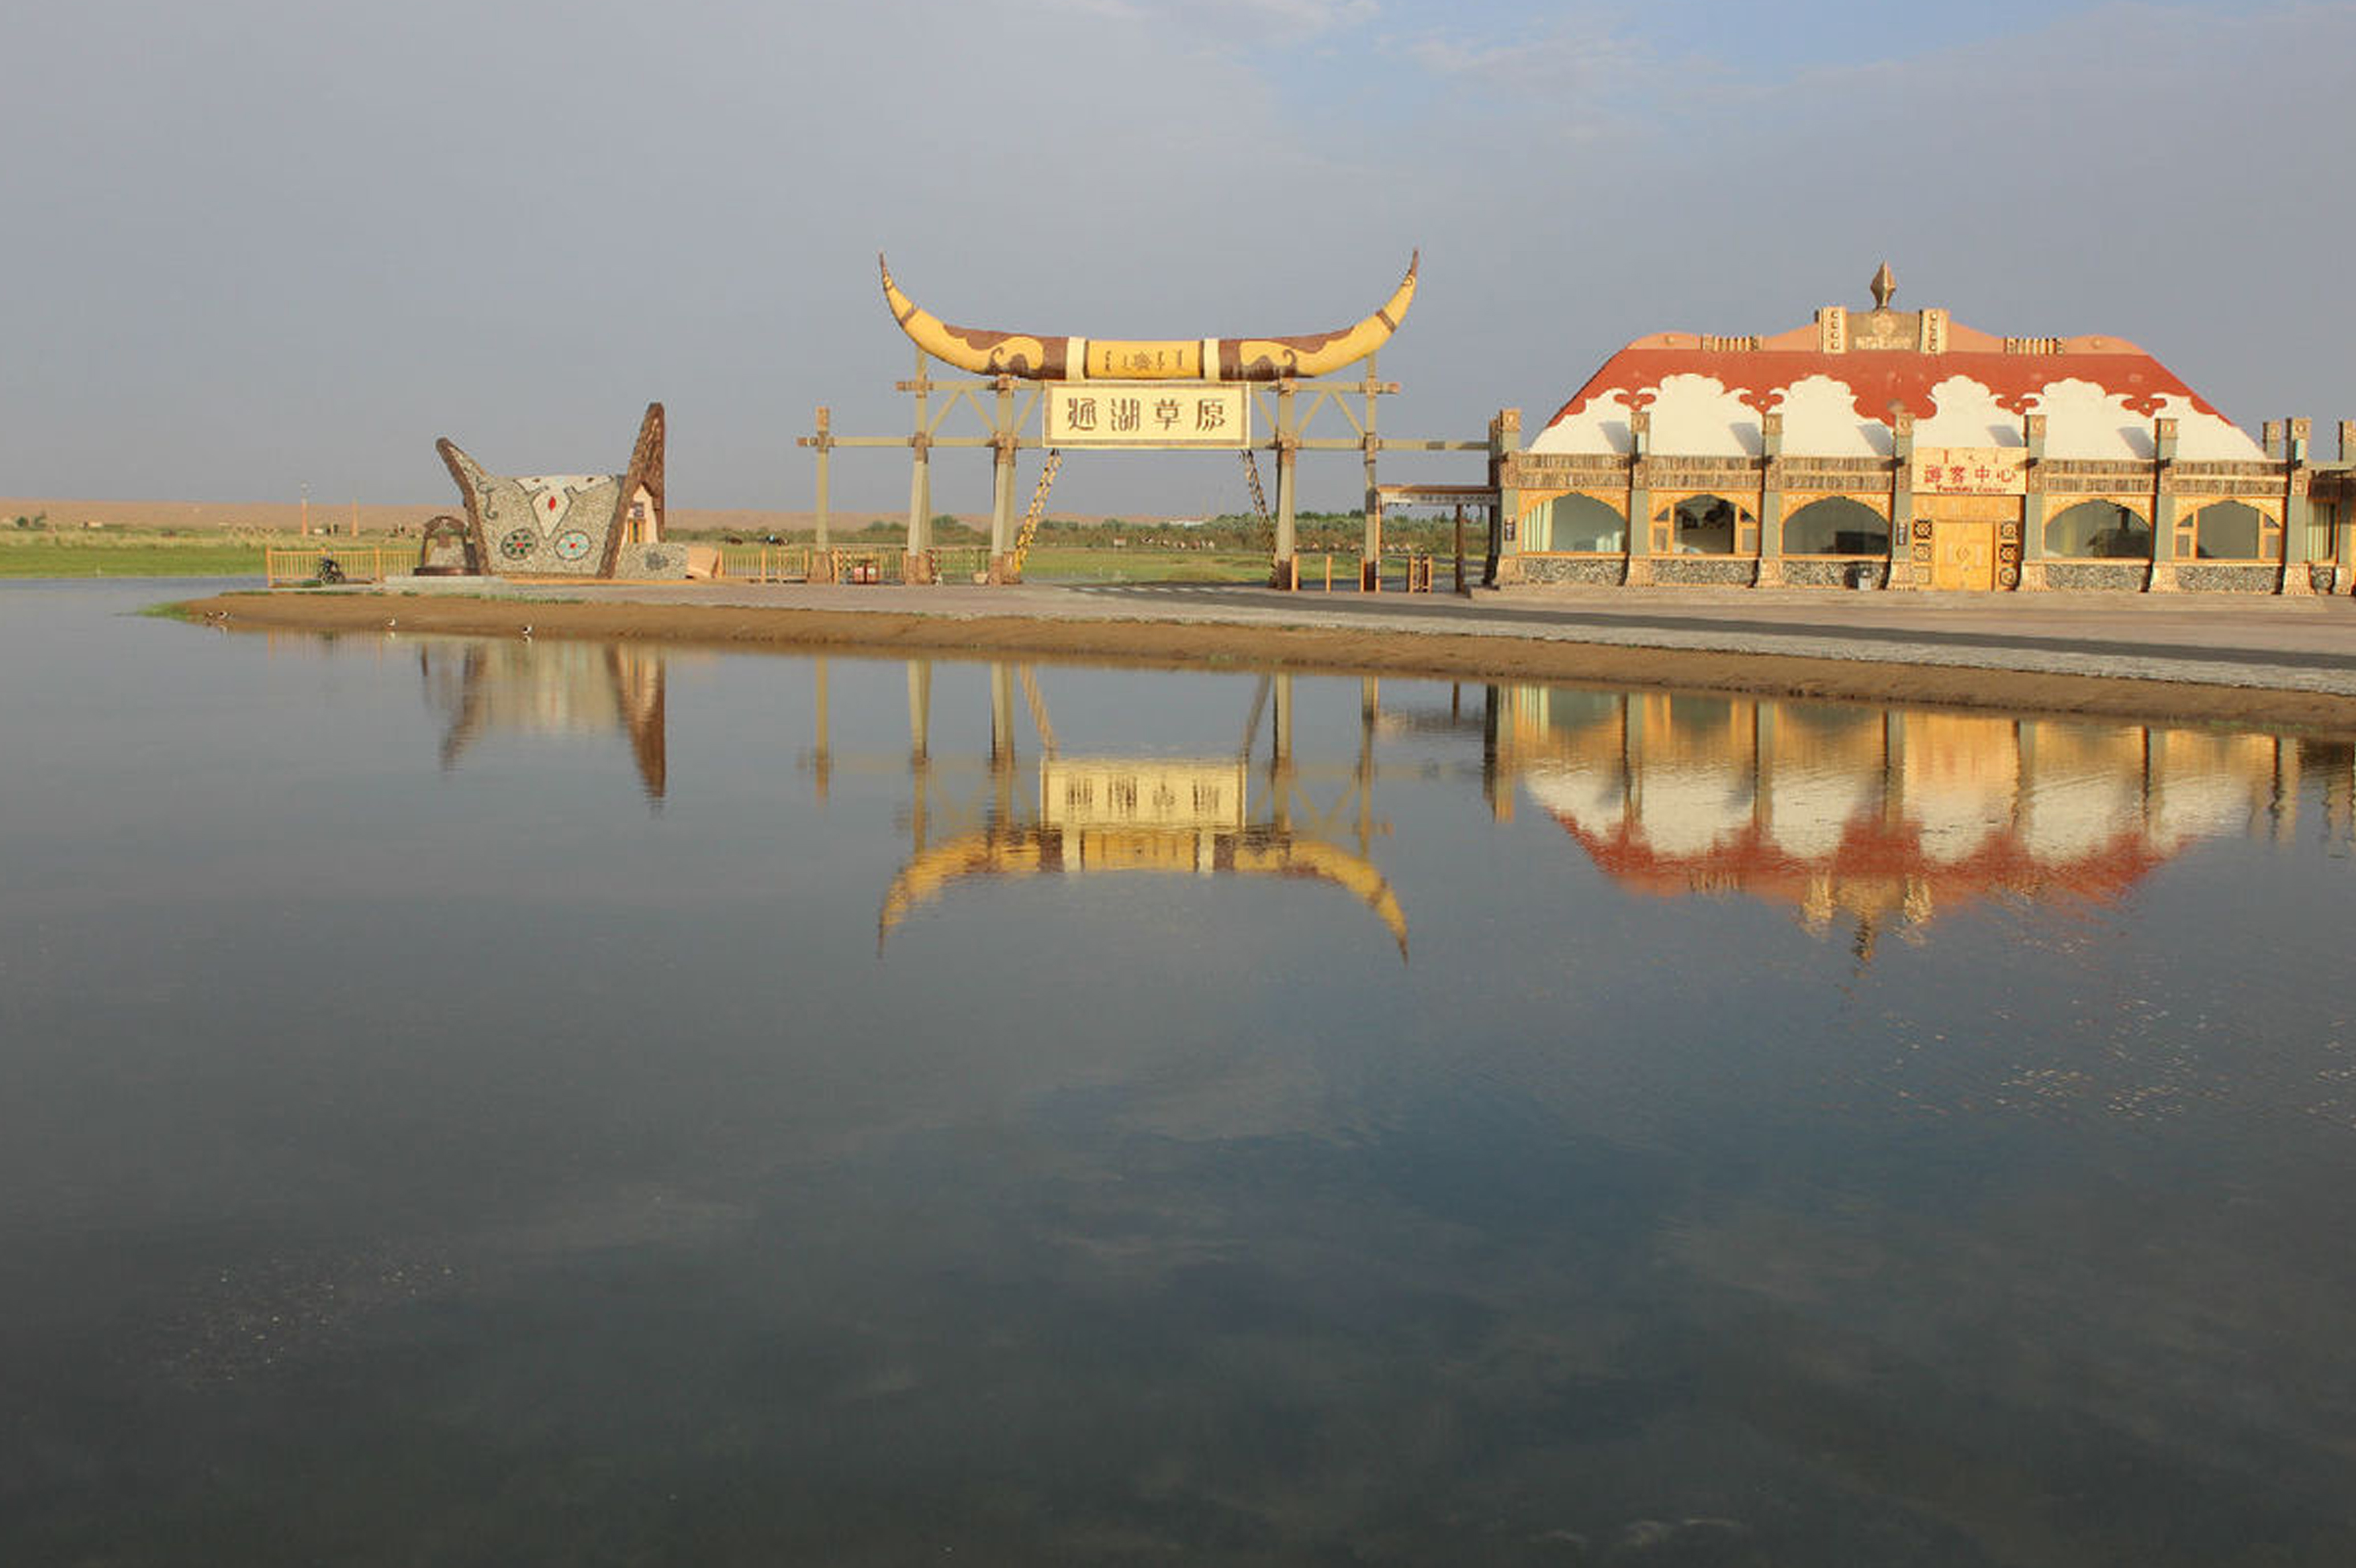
{"x":496,"y":1102}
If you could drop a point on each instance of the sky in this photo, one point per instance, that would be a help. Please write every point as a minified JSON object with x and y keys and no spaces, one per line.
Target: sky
{"x":260,"y":246}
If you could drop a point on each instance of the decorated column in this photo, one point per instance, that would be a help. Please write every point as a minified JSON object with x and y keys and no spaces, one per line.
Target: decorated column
{"x":2297,"y":513}
{"x":2346,"y":518}
{"x":1505,"y":553}
{"x":2167,"y":548}
{"x":1640,"y":499}
{"x":2033,"y":506}
{"x":1910,"y":545}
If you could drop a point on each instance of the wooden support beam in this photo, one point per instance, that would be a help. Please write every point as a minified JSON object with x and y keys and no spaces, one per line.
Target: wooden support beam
{"x":1373,"y":444}
{"x":824,"y":442}
{"x":1001,"y":493}
{"x":920,"y":475}
{"x":1287,"y":566}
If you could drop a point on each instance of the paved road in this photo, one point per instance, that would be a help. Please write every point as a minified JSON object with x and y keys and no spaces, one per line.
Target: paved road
{"x":2299,"y":644}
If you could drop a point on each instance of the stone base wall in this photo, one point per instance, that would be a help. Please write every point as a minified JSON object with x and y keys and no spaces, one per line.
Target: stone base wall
{"x":1735,"y":572}
{"x":1805,"y":572}
{"x":1591,"y":571}
{"x":2195,"y":577}
{"x":665,"y":560}
{"x":1802,"y":572}
{"x":2097,"y":576}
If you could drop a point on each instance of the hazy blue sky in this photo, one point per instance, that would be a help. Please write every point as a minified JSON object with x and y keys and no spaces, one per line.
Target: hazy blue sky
{"x":259,"y":244}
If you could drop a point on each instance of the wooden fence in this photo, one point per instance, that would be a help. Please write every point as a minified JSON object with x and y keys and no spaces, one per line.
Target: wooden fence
{"x":327,"y":565}
{"x":765,"y":563}
{"x":1414,"y":565}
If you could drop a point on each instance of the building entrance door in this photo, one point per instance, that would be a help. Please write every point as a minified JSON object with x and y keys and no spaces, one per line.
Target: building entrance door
{"x":1963,"y":555}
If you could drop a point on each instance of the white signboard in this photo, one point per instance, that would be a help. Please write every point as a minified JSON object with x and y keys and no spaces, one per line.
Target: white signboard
{"x":1128,"y":793}
{"x":1149,"y":415}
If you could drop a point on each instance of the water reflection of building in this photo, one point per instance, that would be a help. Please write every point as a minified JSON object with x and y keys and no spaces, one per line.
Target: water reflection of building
{"x":1873,"y":814}
{"x":548,"y":688}
{"x":1244,"y":814}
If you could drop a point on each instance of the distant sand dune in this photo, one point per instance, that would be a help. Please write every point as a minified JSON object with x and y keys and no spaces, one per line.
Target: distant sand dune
{"x":285,"y":517}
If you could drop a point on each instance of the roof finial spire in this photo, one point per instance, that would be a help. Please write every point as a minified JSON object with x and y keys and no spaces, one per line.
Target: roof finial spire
{"x":1883,"y":285}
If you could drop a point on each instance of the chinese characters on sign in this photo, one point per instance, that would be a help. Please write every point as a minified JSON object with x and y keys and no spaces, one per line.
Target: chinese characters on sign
{"x":1970,"y":470}
{"x":1147,"y":415}
{"x":1124,"y":362}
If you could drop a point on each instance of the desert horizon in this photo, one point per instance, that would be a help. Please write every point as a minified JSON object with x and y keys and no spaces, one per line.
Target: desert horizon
{"x":66,"y":514}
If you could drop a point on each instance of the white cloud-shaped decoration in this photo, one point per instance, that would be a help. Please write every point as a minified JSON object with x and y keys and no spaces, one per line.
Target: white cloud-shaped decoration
{"x":1691,"y":810}
{"x":1700,"y":417}
{"x":1600,"y":427}
{"x":1589,"y":797}
{"x":2067,"y":820}
{"x":1968,"y":415}
{"x":1808,"y":814}
{"x":1820,"y":419}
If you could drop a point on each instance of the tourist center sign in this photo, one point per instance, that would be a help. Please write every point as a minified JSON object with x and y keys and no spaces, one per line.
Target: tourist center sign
{"x":1971,"y":471}
{"x":1149,"y":415}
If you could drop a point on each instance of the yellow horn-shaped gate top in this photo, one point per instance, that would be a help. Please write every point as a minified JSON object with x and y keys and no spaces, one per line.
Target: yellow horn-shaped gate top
{"x":1035,"y":851}
{"x":1040,"y":359}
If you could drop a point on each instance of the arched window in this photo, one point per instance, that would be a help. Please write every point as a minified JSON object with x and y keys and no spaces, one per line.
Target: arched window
{"x":1836,"y":526}
{"x":2227,"y":531}
{"x":2101,"y":529}
{"x":1705,"y":525}
{"x":1577,"y":523}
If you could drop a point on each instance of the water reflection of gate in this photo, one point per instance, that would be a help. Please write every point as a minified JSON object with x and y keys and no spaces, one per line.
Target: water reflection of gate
{"x":1871,"y":813}
{"x":548,"y":688}
{"x":1240,"y":814}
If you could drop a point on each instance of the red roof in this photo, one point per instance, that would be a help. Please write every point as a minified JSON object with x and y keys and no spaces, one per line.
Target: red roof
{"x":1884,"y":380}
{"x":1869,"y":850}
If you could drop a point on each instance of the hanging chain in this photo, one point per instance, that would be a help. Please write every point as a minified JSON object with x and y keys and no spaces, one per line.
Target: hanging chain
{"x":1260,"y":496}
{"x":1038,"y":507}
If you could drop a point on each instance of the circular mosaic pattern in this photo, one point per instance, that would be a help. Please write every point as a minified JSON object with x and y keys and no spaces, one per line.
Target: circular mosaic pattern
{"x":572,"y":544}
{"x":517,"y":543}
{"x":2008,"y":577}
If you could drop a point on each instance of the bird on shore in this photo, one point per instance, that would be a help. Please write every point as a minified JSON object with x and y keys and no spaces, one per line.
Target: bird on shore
{"x":527,"y":630}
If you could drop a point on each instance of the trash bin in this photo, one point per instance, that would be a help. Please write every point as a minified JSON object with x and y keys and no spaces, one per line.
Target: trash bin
{"x":1860,"y":575}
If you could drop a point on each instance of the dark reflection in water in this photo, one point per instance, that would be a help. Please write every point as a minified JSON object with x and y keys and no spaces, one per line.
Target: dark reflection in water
{"x":1875,"y":815}
{"x":418,"y":1151}
{"x":1073,"y":815}
{"x":480,"y":685}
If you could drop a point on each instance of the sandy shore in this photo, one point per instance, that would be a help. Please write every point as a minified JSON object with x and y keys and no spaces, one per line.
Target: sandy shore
{"x":886,"y":633}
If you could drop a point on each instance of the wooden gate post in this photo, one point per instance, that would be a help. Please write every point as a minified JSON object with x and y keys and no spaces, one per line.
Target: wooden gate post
{"x":920,"y":473}
{"x":1288,"y":565}
{"x":1001,"y":496}
{"x":822,"y":565}
{"x":1373,"y":547}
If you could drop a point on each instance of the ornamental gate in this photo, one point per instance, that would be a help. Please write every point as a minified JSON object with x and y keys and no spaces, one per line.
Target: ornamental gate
{"x":1243,"y":395}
